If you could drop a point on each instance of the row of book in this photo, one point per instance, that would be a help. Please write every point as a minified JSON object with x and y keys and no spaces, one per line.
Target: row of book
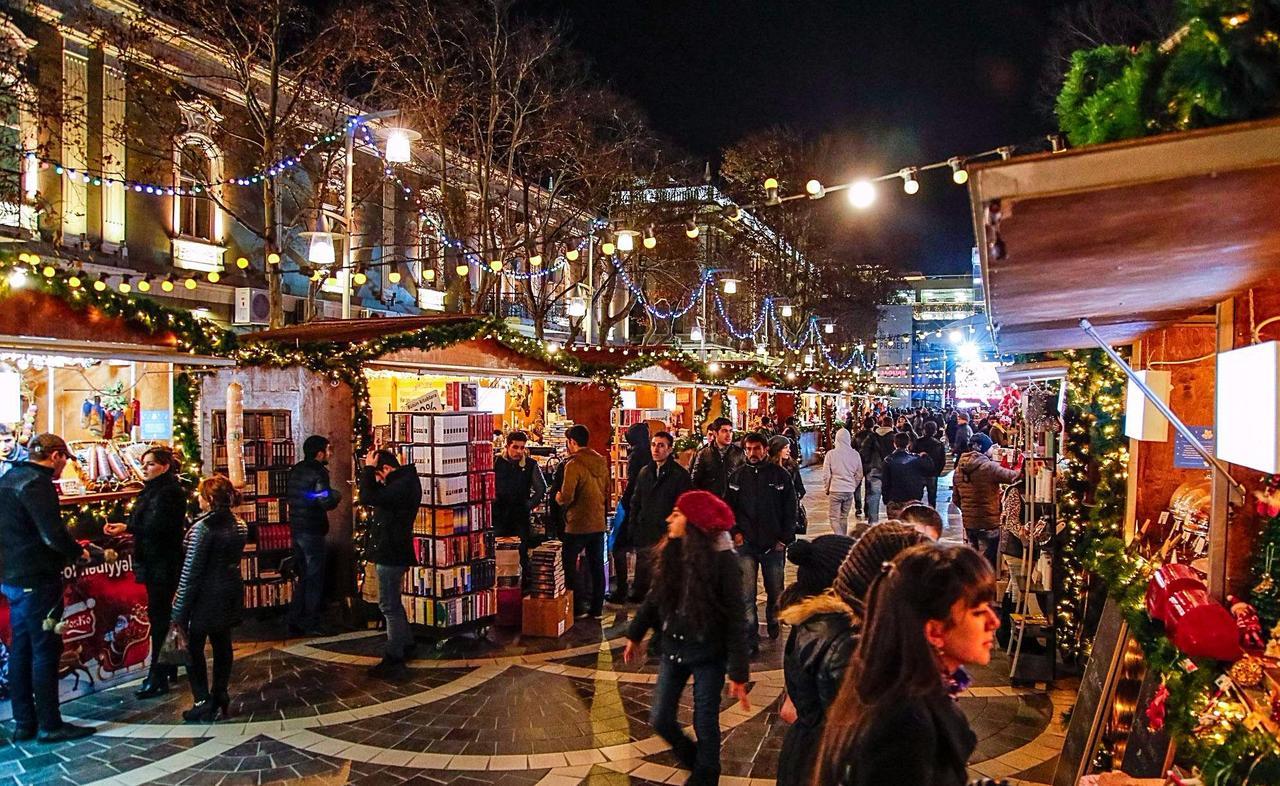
{"x":273,"y":537}
{"x":445,"y":552}
{"x":260,"y":596}
{"x":267,"y":482}
{"x":447,"y":612}
{"x":453,"y":520}
{"x":252,"y":568}
{"x":440,"y":428}
{"x":263,"y":510}
{"x":449,"y":582}
{"x":258,"y":454}
{"x":257,"y":425}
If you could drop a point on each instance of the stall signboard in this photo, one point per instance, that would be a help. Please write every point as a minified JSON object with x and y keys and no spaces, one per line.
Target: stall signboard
{"x":106,"y":632}
{"x":157,"y":424}
{"x":1185,"y":456}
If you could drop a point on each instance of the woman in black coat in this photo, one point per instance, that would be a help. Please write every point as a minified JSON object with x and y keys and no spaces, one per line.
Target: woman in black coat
{"x":211,"y":596}
{"x":157,"y":523}
{"x":895,"y":719}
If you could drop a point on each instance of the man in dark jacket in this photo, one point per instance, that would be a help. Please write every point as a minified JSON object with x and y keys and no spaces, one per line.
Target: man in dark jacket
{"x":639,"y":456}
{"x":394,"y":492}
{"x":876,"y":446}
{"x":11,"y":450}
{"x":715,"y":462}
{"x":652,"y":500}
{"x":932,"y":447}
{"x":763,"y":499}
{"x":36,"y":547}
{"x":905,"y":474}
{"x":976,"y":491}
{"x":520,"y":487}
{"x":310,"y":500}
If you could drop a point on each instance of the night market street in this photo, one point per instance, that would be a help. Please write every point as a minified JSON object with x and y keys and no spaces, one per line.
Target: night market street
{"x":532,"y":711}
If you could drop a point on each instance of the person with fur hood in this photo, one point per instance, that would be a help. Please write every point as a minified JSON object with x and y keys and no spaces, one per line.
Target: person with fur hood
{"x":824,"y":609}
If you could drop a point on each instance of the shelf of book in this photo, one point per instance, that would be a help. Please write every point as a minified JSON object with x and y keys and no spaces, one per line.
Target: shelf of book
{"x":264,"y":506}
{"x":454,"y":584}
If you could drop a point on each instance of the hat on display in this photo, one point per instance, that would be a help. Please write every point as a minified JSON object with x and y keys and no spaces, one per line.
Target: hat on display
{"x":705,"y":511}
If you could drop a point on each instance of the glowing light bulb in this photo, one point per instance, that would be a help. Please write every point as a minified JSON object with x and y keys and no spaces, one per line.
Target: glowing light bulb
{"x":166,"y":285}
{"x":394,"y":277}
{"x":242,"y":263}
{"x":273,"y":258}
{"x":862,"y":194}
{"x":189,"y":283}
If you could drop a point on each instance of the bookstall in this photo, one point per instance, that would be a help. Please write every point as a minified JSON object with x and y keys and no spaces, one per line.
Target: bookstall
{"x":1168,"y":508}
{"x":110,"y":375}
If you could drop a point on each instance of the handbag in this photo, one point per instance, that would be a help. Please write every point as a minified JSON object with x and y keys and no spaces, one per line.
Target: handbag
{"x":802,"y":518}
{"x":369,"y":586}
{"x":174,"y":650}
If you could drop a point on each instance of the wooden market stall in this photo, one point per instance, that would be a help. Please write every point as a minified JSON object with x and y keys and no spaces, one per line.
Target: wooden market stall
{"x":101,"y":372}
{"x":1167,"y":247}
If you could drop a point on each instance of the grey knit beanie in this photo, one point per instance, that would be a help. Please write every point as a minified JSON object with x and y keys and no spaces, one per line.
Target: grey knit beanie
{"x":881,"y":544}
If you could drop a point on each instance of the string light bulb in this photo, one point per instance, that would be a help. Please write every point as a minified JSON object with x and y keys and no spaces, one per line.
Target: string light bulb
{"x":213,"y":276}
{"x":771,"y":191}
{"x":495,"y":265}
{"x":190,"y":283}
{"x":733,"y":213}
{"x":125,"y":287}
{"x":462,"y":269}
{"x":167,"y":285}
{"x":17,"y":278}
{"x":273,"y":258}
{"x":429,"y":274}
{"x":242,"y":263}
{"x":49,"y":271}
{"x":571,"y":255}
{"x":814,"y":189}
{"x":862,"y":194}
{"x":958,"y":173}
{"x":359,"y":278}
{"x":691,"y":229}
{"x":910,"y":184}
{"x":73,"y":281}
{"x":394,"y":277}
{"x":607,"y":248}
{"x":100,"y":285}
{"x":535,"y":260}
{"x":649,"y":240}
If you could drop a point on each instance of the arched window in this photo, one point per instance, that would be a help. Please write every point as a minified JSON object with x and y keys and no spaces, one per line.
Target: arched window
{"x":195,"y":210}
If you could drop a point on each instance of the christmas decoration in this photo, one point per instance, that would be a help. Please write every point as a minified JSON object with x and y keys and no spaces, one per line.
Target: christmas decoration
{"x":1265,"y":596}
{"x":1247,"y":672}
{"x":1156,"y":709}
{"x":1247,"y":623}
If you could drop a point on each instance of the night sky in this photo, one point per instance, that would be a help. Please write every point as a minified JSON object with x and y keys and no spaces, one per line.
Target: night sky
{"x":905,"y":82}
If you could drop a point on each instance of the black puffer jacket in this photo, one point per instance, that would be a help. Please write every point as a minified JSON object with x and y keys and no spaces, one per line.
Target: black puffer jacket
{"x":34,"y":543}
{"x":520,"y":488}
{"x":395,"y":504}
{"x":656,"y":489}
{"x":764,"y":502}
{"x":311,"y":498}
{"x":721,"y":643}
{"x":822,"y":640}
{"x":711,"y":471}
{"x":639,"y":457}
{"x":210,"y":593}
{"x":157,"y":522}
{"x":925,"y":741}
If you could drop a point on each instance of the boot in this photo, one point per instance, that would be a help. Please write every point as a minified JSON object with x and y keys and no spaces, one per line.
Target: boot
{"x":204,"y":711}
{"x":156,"y":684}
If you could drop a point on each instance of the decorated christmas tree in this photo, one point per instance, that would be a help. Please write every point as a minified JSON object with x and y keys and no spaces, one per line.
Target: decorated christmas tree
{"x":1266,"y":567}
{"x":1221,"y":65}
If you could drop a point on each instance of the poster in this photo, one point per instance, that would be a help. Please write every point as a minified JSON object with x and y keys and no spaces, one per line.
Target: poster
{"x":157,"y":424}
{"x":1185,"y":456}
{"x":106,"y":634}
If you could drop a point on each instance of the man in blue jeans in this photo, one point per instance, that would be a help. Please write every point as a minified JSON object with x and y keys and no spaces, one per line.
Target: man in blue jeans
{"x":394,"y":492}
{"x":310,"y":500}
{"x":763,"y":499}
{"x":36,"y":548}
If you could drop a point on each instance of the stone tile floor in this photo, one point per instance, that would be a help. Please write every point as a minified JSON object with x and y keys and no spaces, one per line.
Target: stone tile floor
{"x":496,"y":711}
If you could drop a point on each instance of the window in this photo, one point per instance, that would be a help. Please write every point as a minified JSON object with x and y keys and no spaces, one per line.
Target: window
{"x":196,"y":217}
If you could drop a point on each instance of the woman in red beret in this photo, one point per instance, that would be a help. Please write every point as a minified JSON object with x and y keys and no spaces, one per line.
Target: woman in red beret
{"x":696,"y":601}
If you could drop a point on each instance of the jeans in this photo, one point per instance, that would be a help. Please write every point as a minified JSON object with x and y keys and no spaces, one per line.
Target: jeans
{"x":873,"y":497}
{"x":773,"y":565}
{"x":159,"y":614}
{"x":593,"y":545}
{"x":308,"y":591}
{"x":702,"y":757}
{"x":986,"y":541}
{"x":34,"y":654}
{"x":931,"y":491}
{"x":839,"y":505}
{"x":198,"y":670}
{"x":390,"y":577}
{"x":859,"y":505}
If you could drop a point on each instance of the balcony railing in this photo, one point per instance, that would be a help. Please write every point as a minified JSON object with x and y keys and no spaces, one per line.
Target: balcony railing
{"x":509,"y":306}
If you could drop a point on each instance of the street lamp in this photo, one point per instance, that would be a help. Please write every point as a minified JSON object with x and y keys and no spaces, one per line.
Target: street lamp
{"x":320,"y":243}
{"x":862,"y":194}
{"x":577,"y":307}
{"x":397,"y":144}
{"x":730,"y":286}
{"x":787,"y":311}
{"x":695,"y":334}
{"x":626,"y":240}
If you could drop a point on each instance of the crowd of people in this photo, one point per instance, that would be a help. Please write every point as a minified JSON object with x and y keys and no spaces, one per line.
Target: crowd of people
{"x":881,"y":618}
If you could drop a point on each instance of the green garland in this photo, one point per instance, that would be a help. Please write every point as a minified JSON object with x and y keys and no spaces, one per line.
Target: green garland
{"x":1221,"y":66}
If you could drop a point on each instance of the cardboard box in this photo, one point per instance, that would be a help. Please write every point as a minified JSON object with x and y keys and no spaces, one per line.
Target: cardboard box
{"x":547,"y":616}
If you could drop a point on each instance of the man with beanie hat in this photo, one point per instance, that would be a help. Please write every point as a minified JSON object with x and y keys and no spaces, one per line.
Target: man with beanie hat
{"x":881,"y":544}
{"x":763,"y":498}
{"x":976,"y":491}
{"x":822,"y":639}
{"x":36,"y":548}
{"x":697,"y":608}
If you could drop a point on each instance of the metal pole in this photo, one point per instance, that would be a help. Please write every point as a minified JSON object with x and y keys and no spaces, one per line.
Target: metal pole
{"x":591,"y":301}
{"x":347,"y":233}
{"x":1155,"y":400}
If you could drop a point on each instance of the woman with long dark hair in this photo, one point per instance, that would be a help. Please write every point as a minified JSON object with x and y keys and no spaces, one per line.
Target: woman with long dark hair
{"x":696,"y":601}
{"x":157,"y":522}
{"x":895,"y":719}
{"x":211,"y":596}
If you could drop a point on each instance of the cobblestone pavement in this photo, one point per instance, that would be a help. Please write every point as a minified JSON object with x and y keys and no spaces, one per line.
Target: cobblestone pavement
{"x":496,"y":711}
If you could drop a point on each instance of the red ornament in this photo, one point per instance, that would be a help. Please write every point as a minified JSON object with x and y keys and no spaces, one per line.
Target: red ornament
{"x":1247,"y":622}
{"x":1156,"y":709}
{"x":1166,"y":581}
{"x":1200,"y":627}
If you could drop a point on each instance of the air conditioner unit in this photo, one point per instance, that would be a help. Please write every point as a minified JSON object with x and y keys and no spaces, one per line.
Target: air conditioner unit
{"x":253,"y":307}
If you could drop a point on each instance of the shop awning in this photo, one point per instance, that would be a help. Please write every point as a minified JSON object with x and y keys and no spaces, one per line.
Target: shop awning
{"x":1132,"y":236}
{"x":663,"y":372}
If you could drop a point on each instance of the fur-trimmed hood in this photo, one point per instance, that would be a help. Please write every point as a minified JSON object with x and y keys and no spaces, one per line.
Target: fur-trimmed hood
{"x":813,"y":605}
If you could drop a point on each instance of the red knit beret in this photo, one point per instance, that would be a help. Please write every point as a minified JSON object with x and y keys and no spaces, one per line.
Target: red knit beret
{"x":705,"y":511}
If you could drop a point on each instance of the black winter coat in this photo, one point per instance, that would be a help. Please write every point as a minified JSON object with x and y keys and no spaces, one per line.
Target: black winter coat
{"x":656,"y":489}
{"x":822,"y":640}
{"x":764,"y":502}
{"x":925,"y":742}
{"x":639,"y":457}
{"x":395,"y":505}
{"x":519,"y":487}
{"x":210,"y":595}
{"x":711,"y":473}
{"x":905,"y":475}
{"x":311,"y":498}
{"x":34,"y":543}
{"x":683,"y":643}
{"x":936,"y":450}
{"x":157,"y":522}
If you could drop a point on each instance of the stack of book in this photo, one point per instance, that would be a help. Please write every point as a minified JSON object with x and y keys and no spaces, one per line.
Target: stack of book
{"x":507,"y":552}
{"x":546,"y":571}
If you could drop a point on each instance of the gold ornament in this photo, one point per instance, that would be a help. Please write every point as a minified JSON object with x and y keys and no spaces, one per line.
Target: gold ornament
{"x":1265,"y":585}
{"x":1247,"y":672}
